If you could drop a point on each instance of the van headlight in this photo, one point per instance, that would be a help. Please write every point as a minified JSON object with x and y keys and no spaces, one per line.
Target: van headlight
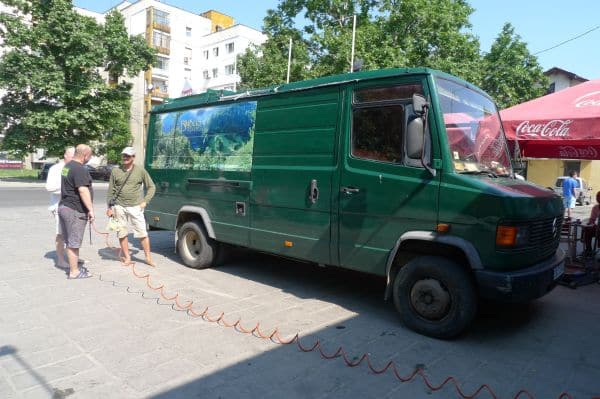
{"x":512,"y":236}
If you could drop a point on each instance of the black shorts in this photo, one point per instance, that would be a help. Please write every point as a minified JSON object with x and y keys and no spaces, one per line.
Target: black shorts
{"x":72,"y":224}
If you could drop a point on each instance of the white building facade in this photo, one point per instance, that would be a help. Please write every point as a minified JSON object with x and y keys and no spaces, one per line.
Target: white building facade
{"x":218,"y":55}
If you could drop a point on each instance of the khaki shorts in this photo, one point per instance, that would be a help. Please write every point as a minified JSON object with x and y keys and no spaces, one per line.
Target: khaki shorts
{"x":130,"y":216}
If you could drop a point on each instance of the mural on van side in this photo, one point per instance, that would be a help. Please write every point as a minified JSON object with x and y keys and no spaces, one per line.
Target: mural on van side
{"x":210,"y":138}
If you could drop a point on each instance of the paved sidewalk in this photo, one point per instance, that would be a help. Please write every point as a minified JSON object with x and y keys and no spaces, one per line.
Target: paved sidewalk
{"x":105,"y":339}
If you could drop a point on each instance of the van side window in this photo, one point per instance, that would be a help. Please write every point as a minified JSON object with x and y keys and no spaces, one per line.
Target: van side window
{"x":378,"y":122}
{"x":377,"y":133}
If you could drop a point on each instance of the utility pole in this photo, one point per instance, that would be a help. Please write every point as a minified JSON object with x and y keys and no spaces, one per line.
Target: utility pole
{"x":353,"y":41}
{"x":289,"y":62}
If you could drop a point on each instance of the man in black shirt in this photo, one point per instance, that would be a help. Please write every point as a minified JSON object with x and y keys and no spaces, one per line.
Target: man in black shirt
{"x":75,"y":207}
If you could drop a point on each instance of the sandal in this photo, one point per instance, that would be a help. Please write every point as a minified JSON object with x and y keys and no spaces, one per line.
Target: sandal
{"x":82,"y":274}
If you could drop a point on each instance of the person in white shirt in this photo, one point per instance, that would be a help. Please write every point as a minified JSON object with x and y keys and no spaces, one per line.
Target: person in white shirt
{"x":53,"y":183}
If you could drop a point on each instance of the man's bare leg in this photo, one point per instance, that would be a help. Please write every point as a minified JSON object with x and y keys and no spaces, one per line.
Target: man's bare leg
{"x":124,"y":243}
{"x":60,"y":251}
{"x":73,"y":256}
{"x":145,"y":241}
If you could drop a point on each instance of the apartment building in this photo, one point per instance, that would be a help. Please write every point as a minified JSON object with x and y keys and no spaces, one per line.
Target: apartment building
{"x":218,"y":55}
{"x":181,"y":39}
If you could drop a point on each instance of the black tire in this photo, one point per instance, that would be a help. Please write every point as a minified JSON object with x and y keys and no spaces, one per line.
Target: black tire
{"x":195,"y":247}
{"x":435,"y":297}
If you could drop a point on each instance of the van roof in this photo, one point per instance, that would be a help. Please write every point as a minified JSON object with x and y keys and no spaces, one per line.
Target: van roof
{"x":215,"y":96}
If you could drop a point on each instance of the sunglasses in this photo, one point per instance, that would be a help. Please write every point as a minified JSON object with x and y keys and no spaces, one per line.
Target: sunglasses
{"x":126,"y":156}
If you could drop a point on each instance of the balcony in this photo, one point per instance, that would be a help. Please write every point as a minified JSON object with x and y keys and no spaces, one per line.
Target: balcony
{"x":161,"y":27}
{"x":162,"y":50}
{"x":158,"y":93}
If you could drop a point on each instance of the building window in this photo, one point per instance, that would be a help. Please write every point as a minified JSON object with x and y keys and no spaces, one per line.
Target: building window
{"x":161,"y":39}
{"x":187,"y":73}
{"x":161,"y":17}
{"x":229,"y":69}
{"x":552,"y":88}
{"x":215,"y":72}
{"x":187,"y":56}
{"x":218,"y":28}
{"x":162,"y":63}
{"x":160,"y":85}
{"x":216,"y":51}
{"x":205,"y":74}
{"x":229,"y":47}
{"x":188,"y":31}
{"x":205,"y":54}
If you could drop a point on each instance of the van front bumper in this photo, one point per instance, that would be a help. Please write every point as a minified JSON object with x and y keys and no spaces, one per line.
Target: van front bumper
{"x":521,"y":285}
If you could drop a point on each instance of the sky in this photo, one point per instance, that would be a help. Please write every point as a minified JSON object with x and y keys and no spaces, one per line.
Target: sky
{"x":542,"y":24}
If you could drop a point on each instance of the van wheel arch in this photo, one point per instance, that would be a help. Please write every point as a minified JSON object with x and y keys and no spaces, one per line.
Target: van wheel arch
{"x":409,"y":247}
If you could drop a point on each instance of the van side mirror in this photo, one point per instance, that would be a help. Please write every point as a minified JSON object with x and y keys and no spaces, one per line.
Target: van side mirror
{"x":415,"y":135}
{"x":416,"y":127}
{"x":415,"y":131}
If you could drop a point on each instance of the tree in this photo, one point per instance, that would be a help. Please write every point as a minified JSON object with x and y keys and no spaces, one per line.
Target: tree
{"x":56,"y":96}
{"x":510,"y":73}
{"x":390,"y":33}
{"x":267,"y":65}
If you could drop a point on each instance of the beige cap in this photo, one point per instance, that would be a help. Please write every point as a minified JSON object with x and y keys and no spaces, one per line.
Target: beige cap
{"x":128,"y":151}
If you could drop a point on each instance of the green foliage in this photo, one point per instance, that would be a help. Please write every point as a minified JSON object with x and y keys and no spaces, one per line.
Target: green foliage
{"x":389,"y":33}
{"x":511,"y":75}
{"x":56,"y":96}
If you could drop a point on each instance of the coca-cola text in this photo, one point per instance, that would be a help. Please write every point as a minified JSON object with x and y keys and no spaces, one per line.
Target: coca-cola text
{"x":589,"y":100}
{"x":553,"y":128}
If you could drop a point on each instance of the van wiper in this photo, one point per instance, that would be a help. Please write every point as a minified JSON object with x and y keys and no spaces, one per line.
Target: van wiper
{"x":478,"y":172}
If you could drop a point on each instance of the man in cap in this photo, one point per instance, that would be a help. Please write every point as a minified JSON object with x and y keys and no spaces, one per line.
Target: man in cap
{"x":126,"y":202}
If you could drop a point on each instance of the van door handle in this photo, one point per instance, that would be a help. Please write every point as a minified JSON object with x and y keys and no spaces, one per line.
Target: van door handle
{"x":349,"y":190}
{"x":313,"y":194}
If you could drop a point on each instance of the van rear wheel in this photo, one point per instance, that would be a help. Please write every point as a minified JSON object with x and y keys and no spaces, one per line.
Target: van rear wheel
{"x":195,"y":247}
{"x":435,"y":296}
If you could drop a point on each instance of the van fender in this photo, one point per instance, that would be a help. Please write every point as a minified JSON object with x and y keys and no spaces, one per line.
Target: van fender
{"x":203,"y":214}
{"x":429,"y":236}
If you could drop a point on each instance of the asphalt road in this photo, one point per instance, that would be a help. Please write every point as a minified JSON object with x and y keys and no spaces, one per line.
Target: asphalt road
{"x":34,"y":194}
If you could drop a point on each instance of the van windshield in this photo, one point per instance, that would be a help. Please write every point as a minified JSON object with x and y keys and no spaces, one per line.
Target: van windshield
{"x":475,"y":136}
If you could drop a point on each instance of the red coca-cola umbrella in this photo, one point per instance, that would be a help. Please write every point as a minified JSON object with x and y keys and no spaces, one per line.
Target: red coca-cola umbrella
{"x":565,"y":124}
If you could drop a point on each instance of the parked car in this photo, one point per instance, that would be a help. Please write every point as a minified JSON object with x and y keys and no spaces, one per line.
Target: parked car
{"x":103,"y":172}
{"x":583,"y":191}
{"x":43,"y":173}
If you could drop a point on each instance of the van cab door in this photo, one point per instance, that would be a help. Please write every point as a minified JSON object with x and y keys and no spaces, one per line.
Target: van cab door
{"x":382,"y":192}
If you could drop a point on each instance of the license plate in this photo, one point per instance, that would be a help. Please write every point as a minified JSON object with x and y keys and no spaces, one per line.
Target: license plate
{"x":559,"y":270}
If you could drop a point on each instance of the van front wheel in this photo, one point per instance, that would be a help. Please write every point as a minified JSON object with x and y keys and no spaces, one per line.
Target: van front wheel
{"x":196,"y":249}
{"x":435,"y":296}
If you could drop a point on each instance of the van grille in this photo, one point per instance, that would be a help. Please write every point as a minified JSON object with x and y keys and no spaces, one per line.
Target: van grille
{"x":545,"y":235}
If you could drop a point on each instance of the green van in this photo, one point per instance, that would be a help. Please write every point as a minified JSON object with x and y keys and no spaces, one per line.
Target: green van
{"x":402,"y":173}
